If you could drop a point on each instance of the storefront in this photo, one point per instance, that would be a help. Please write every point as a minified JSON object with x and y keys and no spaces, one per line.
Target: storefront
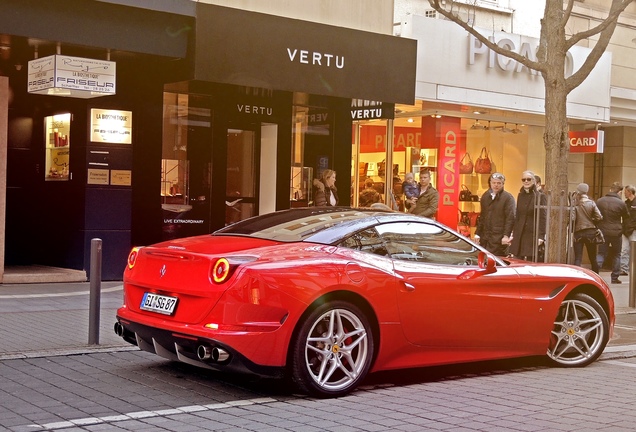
{"x":471,"y":104}
{"x":208,"y":123}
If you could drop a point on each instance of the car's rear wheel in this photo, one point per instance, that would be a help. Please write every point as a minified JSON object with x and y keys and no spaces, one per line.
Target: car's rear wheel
{"x":580,"y":332}
{"x":333,"y":350}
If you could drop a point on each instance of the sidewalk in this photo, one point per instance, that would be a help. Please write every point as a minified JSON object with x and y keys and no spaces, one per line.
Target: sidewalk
{"x":38,"y":320}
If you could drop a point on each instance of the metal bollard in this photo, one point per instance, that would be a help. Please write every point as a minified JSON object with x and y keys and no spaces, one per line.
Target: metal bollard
{"x":632,"y":274}
{"x":95,"y":291}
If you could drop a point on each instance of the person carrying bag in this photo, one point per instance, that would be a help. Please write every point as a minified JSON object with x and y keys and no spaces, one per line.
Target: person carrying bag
{"x":586,"y":214}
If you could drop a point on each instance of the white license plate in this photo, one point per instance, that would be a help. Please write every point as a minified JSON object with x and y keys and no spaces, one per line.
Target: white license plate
{"x":158,"y":303}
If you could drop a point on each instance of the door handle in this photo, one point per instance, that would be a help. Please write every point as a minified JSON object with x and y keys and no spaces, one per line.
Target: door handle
{"x":408,"y":286}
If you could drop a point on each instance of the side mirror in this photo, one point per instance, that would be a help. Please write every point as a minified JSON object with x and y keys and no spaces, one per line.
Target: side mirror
{"x":486,"y":266}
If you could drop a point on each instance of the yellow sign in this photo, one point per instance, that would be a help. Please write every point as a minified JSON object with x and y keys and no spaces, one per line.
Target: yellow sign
{"x":111,"y":126}
{"x":121,"y":177}
{"x":97,"y":176}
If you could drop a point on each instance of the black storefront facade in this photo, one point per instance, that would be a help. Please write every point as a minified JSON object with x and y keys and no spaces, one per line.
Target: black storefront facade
{"x":232,"y":113}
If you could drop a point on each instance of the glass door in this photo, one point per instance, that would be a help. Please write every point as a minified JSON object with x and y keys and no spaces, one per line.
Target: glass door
{"x":241,"y":201}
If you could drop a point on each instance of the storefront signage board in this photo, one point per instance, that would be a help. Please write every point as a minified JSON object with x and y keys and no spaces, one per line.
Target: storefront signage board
{"x":472,"y":74}
{"x":111,"y":126}
{"x":448,"y":183}
{"x":589,"y":141}
{"x":293,"y":55}
{"x":61,"y":75}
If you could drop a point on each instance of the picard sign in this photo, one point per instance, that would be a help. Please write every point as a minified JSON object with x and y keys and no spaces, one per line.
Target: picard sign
{"x":589,"y":141}
{"x":61,"y":75}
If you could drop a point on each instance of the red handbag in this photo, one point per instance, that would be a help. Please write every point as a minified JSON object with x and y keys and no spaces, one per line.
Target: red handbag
{"x":483,"y":164}
{"x":466,"y":167}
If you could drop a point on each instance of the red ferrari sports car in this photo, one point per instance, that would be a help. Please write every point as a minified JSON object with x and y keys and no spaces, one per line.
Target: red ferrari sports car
{"x":325,"y":295}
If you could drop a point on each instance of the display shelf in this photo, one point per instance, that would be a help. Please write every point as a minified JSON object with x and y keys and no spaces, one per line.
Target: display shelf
{"x":57,"y":130}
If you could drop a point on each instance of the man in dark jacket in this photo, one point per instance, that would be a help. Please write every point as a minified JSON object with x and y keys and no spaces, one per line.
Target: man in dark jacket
{"x":629,"y":227}
{"x":497,"y":217}
{"x":614,"y":212}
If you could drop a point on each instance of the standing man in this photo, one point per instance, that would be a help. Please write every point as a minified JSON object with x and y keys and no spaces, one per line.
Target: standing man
{"x":428,"y":200}
{"x":614,"y":212}
{"x":629,"y":228}
{"x":494,"y":230}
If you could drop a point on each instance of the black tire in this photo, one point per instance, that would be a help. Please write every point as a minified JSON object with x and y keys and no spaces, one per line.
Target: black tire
{"x":580,"y":333}
{"x":333,"y":350}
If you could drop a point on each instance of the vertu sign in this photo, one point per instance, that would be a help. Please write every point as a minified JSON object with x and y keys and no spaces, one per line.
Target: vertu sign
{"x":589,"y":141}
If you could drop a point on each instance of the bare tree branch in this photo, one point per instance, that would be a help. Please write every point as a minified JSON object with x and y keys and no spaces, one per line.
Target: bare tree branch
{"x":567,"y":13}
{"x":618,"y":6}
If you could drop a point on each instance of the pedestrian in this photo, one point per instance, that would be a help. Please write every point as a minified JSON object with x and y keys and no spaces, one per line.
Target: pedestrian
{"x":369,"y":195}
{"x":614,"y":212}
{"x":629,"y":228}
{"x":410,"y":190}
{"x":427,"y":201}
{"x":586,"y":215}
{"x":525,"y":239}
{"x":538,"y":185}
{"x":494,"y":229}
{"x":325,"y":192}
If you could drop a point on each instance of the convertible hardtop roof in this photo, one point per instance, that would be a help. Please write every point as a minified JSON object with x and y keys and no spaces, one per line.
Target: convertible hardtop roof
{"x":325,"y":225}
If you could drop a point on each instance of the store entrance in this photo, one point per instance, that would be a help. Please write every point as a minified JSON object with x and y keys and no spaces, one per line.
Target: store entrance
{"x":241,"y":198}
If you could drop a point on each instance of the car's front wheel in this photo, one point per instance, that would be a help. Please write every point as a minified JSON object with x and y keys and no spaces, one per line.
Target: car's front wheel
{"x":580,"y":333}
{"x":333,"y":350}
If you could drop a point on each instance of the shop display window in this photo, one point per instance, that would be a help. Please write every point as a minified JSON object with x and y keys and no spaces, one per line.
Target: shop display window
{"x":57,"y":132}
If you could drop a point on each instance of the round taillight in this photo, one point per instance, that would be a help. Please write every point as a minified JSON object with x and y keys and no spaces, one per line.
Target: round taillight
{"x":221,"y":270}
{"x":132,"y":257}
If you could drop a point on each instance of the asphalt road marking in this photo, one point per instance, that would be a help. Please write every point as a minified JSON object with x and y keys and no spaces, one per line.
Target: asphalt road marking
{"x":147,"y":414}
{"x":62,"y":294}
{"x":620,"y":363}
{"x":624,"y":327}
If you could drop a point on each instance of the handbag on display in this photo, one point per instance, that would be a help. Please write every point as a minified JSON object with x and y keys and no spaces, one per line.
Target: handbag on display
{"x":465,"y":194}
{"x":473,"y":218}
{"x":483,"y":164}
{"x":463,"y":224}
{"x":466,"y":167}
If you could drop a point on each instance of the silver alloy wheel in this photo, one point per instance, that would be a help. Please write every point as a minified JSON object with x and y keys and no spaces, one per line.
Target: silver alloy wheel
{"x":579,"y":334}
{"x":337,"y":350}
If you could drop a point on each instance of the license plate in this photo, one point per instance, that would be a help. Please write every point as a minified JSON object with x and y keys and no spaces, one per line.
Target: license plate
{"x":158,"y":303}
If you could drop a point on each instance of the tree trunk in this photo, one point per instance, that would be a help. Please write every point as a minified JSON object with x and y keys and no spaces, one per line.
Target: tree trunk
{"x":553,"y":54}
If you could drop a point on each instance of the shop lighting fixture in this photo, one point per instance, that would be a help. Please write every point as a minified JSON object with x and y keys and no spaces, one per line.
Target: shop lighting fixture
{"x":478,"y":126}
{"x":506,"y":129}
{"x":410,"y":120}
{"x":516,"y":130}
{"x":436,"y":115}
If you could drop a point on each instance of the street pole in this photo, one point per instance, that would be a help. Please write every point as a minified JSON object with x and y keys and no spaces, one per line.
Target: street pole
{"x":632,"y":275}
{"x":95,"y":291}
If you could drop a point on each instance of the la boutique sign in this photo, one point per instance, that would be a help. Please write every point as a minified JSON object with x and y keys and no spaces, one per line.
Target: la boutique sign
{"x":61,"y":75}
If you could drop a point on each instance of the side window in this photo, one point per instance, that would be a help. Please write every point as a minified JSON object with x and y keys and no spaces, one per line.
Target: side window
{"x":427,"y":243}
{"x":365,"y":241}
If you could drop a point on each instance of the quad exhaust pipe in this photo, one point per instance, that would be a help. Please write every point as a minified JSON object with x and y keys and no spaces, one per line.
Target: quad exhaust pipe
{"x":217,"y":355}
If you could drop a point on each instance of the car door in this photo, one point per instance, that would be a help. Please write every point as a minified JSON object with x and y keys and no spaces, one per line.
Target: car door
{"x":437,"y":309}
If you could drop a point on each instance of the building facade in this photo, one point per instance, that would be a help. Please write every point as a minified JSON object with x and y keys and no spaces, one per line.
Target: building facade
{"x":216,"y":114}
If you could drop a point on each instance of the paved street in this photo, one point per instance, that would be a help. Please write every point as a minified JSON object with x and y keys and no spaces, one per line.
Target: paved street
{"x":51,"y":379}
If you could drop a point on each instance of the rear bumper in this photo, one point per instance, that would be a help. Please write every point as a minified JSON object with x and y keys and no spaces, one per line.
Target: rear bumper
{"x":183,"y":348}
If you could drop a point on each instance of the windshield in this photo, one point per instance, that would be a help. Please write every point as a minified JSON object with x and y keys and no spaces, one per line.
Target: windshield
{"x":294,"y":225}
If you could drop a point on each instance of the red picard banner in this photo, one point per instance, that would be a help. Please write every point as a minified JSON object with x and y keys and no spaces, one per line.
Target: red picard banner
{"x":589,"y":141}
